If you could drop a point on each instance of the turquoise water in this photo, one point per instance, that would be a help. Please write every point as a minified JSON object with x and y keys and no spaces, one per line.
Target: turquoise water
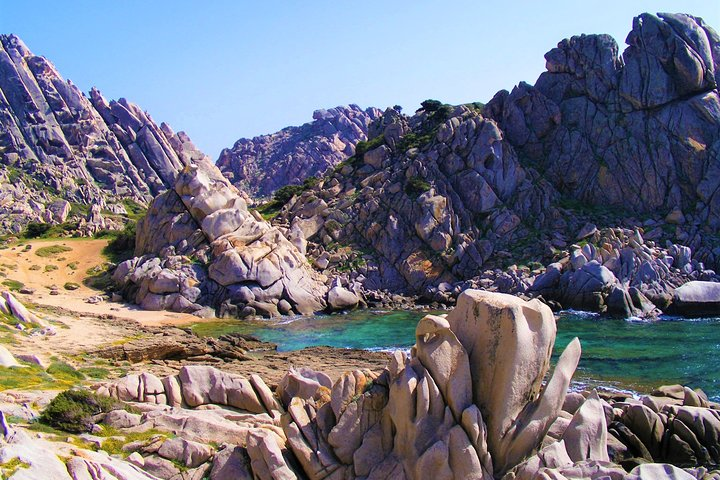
{"x":620,"y":354}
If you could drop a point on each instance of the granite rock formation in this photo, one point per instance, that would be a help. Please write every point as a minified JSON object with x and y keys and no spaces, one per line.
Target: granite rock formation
{"x":438,"y":199}
{"x":430,"y":201}
{"x":263,"y":164}
{"x":199,"y":245}
{"x":617,"y":271}
{"x":639,"y":132}
{"x":60,"y":148}
{"x":470,"y":401}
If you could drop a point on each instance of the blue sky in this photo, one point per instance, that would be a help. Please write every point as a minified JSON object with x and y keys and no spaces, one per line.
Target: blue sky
{"x":222,"y":70}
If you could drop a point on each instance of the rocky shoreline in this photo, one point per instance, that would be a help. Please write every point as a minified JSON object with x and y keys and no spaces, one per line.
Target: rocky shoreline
{"x":233,"y":407}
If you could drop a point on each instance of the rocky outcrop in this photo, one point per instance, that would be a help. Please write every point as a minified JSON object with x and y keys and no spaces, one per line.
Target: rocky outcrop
{"x":263,"y":164}
{"x":199,"y":245}
{"x":59,"y":148}
{"x":25,"y":458}
{"x":617,"y":271}
{"x":433,"y":198}
{"x":470,"y":401}
{"x":639,"y":132}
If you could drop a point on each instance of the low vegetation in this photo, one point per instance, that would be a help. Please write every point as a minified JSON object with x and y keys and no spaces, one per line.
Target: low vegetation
{"x":9,"y":468}
{"x":416,"y":186}
{"x":122,"y":245}
{"x":52,"y":250}
{"x":13,"y":285}
{"x":72,"y":410}
{"x":283,"y":195}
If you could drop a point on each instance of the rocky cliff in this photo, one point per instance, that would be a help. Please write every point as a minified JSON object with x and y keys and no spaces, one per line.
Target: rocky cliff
{"x":59,"y":148}
{"x":638,"y":132}
{"x":263,"y":164}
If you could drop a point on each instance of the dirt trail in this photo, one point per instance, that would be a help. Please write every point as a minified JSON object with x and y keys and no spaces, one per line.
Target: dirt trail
{"x":40,"y":273}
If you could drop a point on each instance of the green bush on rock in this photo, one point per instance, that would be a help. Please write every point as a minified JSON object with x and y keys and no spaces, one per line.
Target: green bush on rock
{"x":73,"y":410}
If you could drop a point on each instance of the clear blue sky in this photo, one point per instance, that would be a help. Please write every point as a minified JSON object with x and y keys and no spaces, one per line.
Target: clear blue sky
{"x":222,"y":70}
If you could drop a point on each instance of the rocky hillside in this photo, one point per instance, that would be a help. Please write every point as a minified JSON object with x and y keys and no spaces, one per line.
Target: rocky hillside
{"x":263,"y":164}
{"x":638,"y":132}
{"x":62,"y":151}
{"x":630,"y":141}
{"x":429,"y":202}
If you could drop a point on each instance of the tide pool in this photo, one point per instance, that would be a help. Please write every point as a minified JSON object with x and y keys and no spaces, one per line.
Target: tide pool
{"x":620,"y":354}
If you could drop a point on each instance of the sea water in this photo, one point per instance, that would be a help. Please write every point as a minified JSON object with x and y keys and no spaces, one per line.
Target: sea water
{"x":618,"y":354}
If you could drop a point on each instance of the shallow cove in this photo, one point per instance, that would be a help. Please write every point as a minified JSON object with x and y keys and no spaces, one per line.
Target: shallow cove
{"x":619,"y":354}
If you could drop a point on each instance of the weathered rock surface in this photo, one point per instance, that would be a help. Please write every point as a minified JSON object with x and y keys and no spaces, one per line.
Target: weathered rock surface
{"x":199,"y":245}
{"x":697,"y":298}
{"x":263,"y":164}
{"x":638,"y":132}
{"x":59,"y":148}
{"x":41,"y":459}
{"x":471,"y":400}
{"x":429,"y":203}
{"x":620,"y":273}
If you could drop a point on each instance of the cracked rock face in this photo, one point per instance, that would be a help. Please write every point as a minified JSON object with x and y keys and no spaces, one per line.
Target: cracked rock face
{"x":199,"y":245}
{"x":439,"y":193}
{"x":263,"y":164}
{"x":641,"y":131}
{"x":57,"y":142}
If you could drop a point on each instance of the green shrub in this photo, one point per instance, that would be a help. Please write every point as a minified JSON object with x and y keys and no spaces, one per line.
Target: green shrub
{"x":51,"y":268}
{"x":52,"y":250}
{"x":36,"y":230}
{"x":122,"y":246}
{"x":72,"y":410}
{"x":371,"y":144}
{"x":416,"y":186}
{"x":13,"y":285}
{"x":135,"y":210}
{"x":431,"y":105}
{"x":71,"y":286}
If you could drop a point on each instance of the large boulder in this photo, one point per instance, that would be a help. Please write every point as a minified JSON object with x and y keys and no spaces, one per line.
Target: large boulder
{"x":696,"y":299}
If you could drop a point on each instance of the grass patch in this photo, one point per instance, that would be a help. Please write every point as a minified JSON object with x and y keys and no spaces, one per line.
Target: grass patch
{"x":9,"y":468}
{"x":71,"y":286}
{"x":52,"y":250}
{"x":95,"y":372}
{"x":113,"y":446}
{"x":13,"y":285}
{"x":51,"y":268}
{"x":72,"y":265}
{"x":64,"y":371}
{"x":31,"y":377}
{"x":98,"y":278}
{"x":34,"y":268}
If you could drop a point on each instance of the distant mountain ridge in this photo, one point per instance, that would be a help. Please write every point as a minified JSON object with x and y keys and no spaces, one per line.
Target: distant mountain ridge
{"x":265,"y":163}
{"x":59,"y":148}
